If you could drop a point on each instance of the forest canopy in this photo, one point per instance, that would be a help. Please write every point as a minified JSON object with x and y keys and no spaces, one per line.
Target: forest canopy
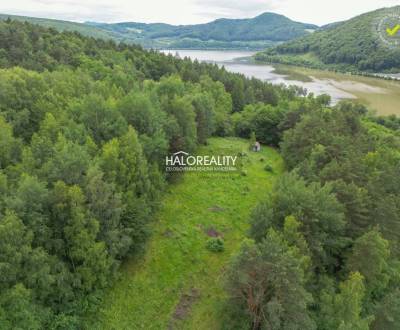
{"x":84,"y":127}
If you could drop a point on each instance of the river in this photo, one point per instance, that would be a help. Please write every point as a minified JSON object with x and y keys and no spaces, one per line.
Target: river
{"x":379,"y":95}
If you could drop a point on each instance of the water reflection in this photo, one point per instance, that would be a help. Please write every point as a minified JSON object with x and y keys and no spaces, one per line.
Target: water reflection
{"x":231,"y":60}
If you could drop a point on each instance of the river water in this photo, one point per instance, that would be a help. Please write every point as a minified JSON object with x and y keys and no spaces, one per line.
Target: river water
{"x":380,"y":95}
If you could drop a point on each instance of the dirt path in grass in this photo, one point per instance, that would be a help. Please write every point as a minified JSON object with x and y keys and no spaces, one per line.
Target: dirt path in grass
{"x":178,"y":283}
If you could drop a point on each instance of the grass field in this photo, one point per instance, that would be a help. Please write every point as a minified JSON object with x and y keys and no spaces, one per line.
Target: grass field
{"x":178,"y":284}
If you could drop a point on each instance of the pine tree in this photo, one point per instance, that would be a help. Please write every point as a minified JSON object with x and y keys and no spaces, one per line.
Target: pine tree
{"x":267,"y":280}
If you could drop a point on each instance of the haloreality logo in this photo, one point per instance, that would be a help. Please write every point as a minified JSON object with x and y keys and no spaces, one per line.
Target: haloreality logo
{"x":182,"y":161}
{"x":387,"y":28}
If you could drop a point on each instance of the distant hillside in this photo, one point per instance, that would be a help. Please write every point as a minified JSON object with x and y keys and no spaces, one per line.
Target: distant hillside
{"x":263,"y":31}
{"x":59,"y":25}
{"x":267,"y":27}
{"x":353,"y":45}
{"x":257,"y":32}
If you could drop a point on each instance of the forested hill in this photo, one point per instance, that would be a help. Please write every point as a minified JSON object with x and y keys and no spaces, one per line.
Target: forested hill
{"x":265,"y":27}
{"x":353,"y":45}
{"x":258,"y":33}
{"x":85,"y":127}
{"x":59,"y":25}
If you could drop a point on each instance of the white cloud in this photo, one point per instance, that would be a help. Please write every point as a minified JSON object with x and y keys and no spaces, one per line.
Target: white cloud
{"x":322,"y":12}
{"x":236,"y":9}
{"x":190,"y":11}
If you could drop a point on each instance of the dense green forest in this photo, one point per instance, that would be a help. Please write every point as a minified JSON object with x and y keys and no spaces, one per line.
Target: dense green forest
{"x":353,"y":45}
{"x":263,"y":31}
{"x":85,"y":125}
{"x":326,"y":251}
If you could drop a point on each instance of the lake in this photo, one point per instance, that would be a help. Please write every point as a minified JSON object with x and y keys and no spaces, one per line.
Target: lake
{"x":380,"y":95}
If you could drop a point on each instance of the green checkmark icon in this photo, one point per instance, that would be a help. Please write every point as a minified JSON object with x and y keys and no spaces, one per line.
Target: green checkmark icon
{"x":392,"y":32}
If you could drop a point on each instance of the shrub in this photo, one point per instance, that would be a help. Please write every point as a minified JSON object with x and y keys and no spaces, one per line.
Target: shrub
{"x":269,"y":168}
{"x":215,"y":244}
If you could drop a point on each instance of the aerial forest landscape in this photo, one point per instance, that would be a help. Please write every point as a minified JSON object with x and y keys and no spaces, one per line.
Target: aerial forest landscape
{"x":199,"y":165}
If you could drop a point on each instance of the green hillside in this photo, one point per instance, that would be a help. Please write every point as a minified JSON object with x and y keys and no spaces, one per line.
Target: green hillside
{"x":93,"y":227}
{"x":267,"y":26}
{"x":59,"y":25}
{"x":353,"y":45}
{"x":260,"y":32}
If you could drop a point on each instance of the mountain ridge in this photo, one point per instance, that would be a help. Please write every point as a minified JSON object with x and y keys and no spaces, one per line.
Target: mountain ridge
{"x":263,"y":31}
{"x":356,"y":45}
{"x":241,"y":29}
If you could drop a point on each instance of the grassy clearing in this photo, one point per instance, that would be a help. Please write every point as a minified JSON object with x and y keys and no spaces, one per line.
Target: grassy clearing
{"x":178,"y":283}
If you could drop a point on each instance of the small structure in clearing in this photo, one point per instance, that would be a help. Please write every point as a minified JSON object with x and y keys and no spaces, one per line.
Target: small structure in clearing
{"x":257,"y":146}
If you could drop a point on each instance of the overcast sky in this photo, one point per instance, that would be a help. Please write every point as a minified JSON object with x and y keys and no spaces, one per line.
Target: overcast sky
{"x":190,"y":11}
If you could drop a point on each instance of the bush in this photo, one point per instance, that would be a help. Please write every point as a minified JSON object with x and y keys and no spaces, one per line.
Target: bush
{"x":215,"y":244}
{"x":269,"y":168}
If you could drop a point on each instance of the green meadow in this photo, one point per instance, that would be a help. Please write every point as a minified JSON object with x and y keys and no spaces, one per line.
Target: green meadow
{"x":178,"y":283}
